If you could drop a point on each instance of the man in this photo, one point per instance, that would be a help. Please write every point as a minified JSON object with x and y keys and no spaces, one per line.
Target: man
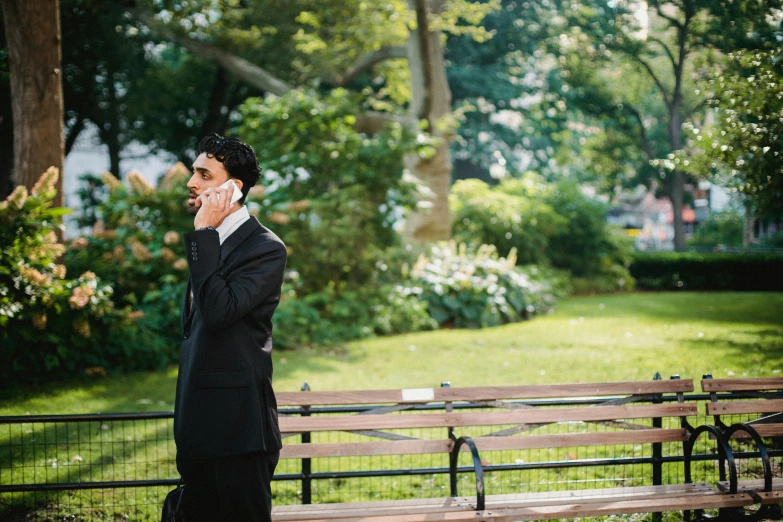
{"x":225,"y":414}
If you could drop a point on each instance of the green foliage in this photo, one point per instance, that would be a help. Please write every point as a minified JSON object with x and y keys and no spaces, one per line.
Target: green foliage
{"x":692,"y":271}
{"x":586,"y":246}
{"x":53,"y":326}
{"x":511,"y":215}
{"x":773,"y":241}
{"x":402,"y":311}
{"x":744,"y":147}
{"x":466,"y":288}
{"x":322,"y":318}
{"x":720,"y":229}
{"x":347,"y":187}
{"x":551,"y":224}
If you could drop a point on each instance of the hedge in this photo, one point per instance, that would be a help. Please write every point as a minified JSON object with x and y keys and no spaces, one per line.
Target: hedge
{"x":708,"y":271}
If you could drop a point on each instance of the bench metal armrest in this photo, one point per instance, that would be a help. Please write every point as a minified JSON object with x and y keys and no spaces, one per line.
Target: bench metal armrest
{"x":478,"y":468}
{"x":724,"y":452}
{"x":734,"y":428}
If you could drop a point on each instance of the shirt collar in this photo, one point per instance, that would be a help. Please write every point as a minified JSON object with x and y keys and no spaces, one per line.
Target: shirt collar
{"x":232,"y":222}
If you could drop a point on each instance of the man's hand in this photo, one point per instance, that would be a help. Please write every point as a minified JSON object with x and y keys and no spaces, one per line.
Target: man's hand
{"x":214,"y":206}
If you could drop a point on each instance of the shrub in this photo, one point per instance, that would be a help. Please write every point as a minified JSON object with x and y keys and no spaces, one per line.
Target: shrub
{"x":402,"y":311}
{"x":347,"y":187}
{"x":472,"y":289}
{"x":696,"y":271}
{"x":721,"y":228}
{"x":53,"y":326}
{"x":547,"y":223}
{"x":511,"y":215}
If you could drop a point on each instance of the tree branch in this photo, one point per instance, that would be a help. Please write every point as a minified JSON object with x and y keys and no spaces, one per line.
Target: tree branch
{"x":367,"y":62}
{"x":666,"y":97}
{"x":672,"y":20}
{"x":642,"y":131}
{"x":239,"y":67}
{"x":369,"y":122}
{"x":690,"y":112}
{"x":422,"y":35}
{"x":660,"y":42}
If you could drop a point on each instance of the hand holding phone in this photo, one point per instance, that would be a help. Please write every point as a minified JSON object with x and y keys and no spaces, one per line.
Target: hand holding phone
{"x":237,"y":195}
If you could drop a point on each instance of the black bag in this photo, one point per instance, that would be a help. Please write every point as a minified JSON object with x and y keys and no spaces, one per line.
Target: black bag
{"x":172,"y":506}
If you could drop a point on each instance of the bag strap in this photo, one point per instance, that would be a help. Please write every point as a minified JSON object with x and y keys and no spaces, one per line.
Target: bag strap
{"x":180,"y":484}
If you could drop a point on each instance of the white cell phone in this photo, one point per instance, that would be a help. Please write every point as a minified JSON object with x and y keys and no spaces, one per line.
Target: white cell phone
{"x":237,"y":193}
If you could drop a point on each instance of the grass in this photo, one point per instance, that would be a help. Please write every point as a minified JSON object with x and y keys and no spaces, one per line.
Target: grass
{"x":587,"y":339}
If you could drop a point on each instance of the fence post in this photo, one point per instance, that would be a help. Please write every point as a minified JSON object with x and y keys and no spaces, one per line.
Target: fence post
{"x":657,"y":451}
{"x":450,"y":433}
{"x":307,"y":485}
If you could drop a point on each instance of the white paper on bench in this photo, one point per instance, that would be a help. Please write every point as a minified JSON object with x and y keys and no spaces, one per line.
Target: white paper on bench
{"x":418,"y":394}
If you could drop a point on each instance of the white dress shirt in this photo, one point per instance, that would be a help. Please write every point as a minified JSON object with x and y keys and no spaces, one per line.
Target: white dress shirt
{"x":232,"y":222}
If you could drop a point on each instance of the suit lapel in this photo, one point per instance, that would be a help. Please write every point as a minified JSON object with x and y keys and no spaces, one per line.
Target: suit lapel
{"x":237,"y":237}
{"x":228,"y":246}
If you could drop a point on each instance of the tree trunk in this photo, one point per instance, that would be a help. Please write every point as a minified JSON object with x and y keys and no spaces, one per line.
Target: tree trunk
{"x":749,"y":225}
{"x":216,"y":102}
{"x":110,"y":133}
{"x":676,"y":194}
{"x":678,"y":181}
{"x":431,"y":101}
{"x":6,"y":131}
{"x":32,"y":30}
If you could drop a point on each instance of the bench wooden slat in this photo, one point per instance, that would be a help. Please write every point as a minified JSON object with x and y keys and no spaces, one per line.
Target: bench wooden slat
{"x":443,"y":504}
{"x":573,"y":440}
{"x":416,"y":447}
{"x":496,"y":501}
{"x":753,"y":384}
{"x":603,"y":507}
{"x":751,"y":485}
{"x":356,"y":449}
{"x":485,"y":393}
{"x":771,"y":497}
{"x":520,"y":416}
{"x":739,"y":407}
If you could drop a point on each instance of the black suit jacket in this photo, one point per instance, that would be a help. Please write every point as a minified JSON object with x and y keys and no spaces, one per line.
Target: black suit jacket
{"x":225,"y":404}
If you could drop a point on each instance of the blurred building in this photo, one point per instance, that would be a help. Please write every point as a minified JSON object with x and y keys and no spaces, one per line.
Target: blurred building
{"x":650,"y":220}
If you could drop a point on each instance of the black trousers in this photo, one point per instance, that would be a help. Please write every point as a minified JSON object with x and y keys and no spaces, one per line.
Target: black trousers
{"x":236,"y":488}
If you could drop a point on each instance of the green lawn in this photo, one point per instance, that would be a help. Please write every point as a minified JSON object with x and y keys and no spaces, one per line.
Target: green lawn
{"x":586,"y":339}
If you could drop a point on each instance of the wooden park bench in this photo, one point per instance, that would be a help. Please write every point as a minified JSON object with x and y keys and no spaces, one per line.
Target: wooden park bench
{"x":751,"y":411}
{"x":511,"y":418}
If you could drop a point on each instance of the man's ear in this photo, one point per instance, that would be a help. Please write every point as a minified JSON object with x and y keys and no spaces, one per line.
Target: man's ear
{"x":238,"y":183}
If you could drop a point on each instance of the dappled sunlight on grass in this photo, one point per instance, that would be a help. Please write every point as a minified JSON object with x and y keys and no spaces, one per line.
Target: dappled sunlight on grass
{"x":599,"y":338}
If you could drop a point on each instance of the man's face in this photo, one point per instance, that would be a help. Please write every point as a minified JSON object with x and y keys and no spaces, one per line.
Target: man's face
{"x":207,"y":173}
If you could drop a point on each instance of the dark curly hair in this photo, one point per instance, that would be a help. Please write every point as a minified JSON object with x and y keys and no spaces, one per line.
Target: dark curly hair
{"x":237,"y":157}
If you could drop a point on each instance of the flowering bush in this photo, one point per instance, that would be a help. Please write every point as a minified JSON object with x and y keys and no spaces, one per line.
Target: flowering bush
{"x":135,"y":241}
{"x":472,"y":289}
{"x":402,"y":311}
{"x":51,"y":325}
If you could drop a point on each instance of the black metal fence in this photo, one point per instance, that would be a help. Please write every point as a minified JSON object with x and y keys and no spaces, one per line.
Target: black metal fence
{"x":120,"y":466}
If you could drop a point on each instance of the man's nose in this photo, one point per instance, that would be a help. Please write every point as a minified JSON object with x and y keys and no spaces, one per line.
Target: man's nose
{"x":192,"y":182}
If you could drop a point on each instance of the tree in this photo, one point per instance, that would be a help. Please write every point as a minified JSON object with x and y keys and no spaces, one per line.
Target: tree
{"x":743,"y":146}
{"x":661,"y":55}
{"x":32,"y":31}
{"x":6,"y":121}
{"x":355,"y":50}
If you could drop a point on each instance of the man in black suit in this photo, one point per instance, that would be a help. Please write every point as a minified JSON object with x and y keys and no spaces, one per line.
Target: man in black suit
{"x":225,"y":415}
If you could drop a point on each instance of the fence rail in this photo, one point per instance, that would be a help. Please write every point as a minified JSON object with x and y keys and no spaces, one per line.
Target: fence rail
{"x":62,"y":464}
